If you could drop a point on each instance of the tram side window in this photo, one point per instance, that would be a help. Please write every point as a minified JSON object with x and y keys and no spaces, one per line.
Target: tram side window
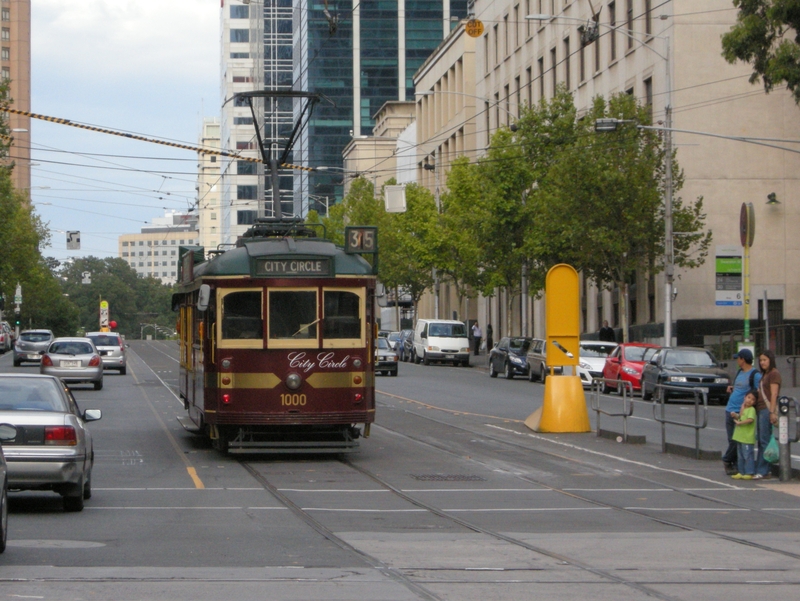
{"x":292,"y":314}
{"x":342,"y":315}
{"x":241,"y":315}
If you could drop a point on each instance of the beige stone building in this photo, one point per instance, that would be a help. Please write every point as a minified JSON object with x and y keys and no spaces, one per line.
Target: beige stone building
{"x":209,"y":213}
{"x":665,"y":55}
{"x":15,"y":65}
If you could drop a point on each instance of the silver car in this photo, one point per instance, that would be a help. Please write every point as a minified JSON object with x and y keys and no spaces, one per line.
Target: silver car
{"x":111,"y":349}
{"x":73,"y":360}
{"x":30,"y":344}
{"x":7,"y":433}
{"x":52,"y":448}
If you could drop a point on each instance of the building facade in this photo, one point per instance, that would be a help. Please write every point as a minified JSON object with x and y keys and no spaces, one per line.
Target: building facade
{"x":15,"y":66}
{"x":209,"y":210}
{"x":665,"y":55}
{"x":154,"y":251}
{"x":359,"y":58}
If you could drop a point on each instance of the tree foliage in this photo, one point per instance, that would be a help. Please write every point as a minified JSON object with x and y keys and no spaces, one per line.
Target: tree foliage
{"x":767,"y":35}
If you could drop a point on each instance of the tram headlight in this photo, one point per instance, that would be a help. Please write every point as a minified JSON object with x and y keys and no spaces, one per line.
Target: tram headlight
{"x":356,"y":363}
{"x":293,"y":381}
{"x":226,"y":364}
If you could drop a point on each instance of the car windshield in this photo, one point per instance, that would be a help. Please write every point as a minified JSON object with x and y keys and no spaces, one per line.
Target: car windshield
{"x":637,"y":353}
{"x":70,"y":347}
{"x":30,"y":394}
{"x":691,"y":358}
{"x":520,"y":345}
{"x":448,"y":330}
{"x":35,"y":336}
{"x":394,"y":336}
{"x":105,"y":340}
{"x":597,"y":350}
{"x":382,"y":343}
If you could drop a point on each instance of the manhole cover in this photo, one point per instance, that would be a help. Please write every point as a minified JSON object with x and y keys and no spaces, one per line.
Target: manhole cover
{"x":448,"y":478}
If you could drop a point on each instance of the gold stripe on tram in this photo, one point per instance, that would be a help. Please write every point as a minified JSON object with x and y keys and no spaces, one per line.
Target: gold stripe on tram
{"x":268,"y":381}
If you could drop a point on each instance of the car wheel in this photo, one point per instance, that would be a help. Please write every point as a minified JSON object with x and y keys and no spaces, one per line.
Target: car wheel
{"x":606,"y":387}
{"x":543,"y":373}
{"x":425,"y":360}
{"x":4,"y":518}
{"x":465,"y":363}
{"x":98,"y":385}
{"x":393,"y":373}
{"x":87,"y":487}
{"x":646,"y":396}
{"x":123,"y":371}
{"x":531,"y":377}
{"x":73,"y":500}
{"x":17,"y":362}
{"x":509,"y":372}
{"x":621,"y":387}
{"x":492,"y":372}
{"x":413,"y":358}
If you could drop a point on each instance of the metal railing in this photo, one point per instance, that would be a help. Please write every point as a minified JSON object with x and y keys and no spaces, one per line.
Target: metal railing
{"x":660,"y":398}
{"x":627,"y":405}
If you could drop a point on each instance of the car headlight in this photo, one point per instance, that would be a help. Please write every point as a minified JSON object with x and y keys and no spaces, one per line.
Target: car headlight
{"x":721,"y":380}
{"x":464,"y":349}
{"x":585,"y":366}
{"x":435,"y":349}
{"x":630,"y":371}
{"x":517,"y":360}
{"x":677,"y":379}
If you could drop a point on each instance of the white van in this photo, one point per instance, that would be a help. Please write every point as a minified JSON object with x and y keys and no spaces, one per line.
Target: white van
{"x":441,"y":340}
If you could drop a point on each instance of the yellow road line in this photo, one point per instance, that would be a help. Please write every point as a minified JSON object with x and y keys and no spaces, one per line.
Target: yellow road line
{"x":198,"y":483}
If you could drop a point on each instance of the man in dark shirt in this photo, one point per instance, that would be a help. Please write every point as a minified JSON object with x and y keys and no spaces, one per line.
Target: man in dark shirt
{"x":606,"y":333}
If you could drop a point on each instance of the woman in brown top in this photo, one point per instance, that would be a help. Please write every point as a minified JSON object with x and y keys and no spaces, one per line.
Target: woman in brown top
{"x":767,"y":408}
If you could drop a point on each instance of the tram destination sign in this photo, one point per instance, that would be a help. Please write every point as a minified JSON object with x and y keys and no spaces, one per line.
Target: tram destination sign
{"x":293,"y":267}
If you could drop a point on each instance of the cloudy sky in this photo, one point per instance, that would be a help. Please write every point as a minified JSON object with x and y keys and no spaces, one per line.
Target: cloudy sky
{"x":149,"y":67}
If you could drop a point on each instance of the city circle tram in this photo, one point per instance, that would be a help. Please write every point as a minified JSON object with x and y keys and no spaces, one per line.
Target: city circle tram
{"x":276,"y":340}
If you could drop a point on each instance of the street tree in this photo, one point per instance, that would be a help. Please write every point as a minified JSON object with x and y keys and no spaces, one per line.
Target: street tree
{"x":765,"y":35}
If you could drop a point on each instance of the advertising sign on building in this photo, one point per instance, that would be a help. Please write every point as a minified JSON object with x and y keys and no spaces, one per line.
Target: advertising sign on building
{"x":729,"y":276}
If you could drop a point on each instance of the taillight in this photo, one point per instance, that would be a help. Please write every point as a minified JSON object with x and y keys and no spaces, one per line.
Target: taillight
{"x":94,"y":361}
{"x":226,"y":399}
{"x":60,"y":435}
{"x":357,"y":398}
{"x":47,"y":361}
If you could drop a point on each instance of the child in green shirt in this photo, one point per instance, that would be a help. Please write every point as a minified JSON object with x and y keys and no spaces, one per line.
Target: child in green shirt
{"x":745,"y":437}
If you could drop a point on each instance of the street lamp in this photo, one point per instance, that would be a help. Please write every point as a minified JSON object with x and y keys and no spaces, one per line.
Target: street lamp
{"x":607,"y":125}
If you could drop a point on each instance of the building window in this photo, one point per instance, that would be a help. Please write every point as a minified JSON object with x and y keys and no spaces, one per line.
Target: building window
{"x":245,"y":145}
{"x":648,"y":17}
{"x":213,"y":218}
{"x":529,"y":75}
{"x":567,"y":74}
{"x":5,"y":54}
{"x":149,"y":253}
{"x":172,"y":263}
{"x":629,"y":22}
{"x":164,"y":264}
{"x":496,"y":45}
{"x":6,"y":14}
{"x":241,"y":79}
{"x":172,"y":252}
{"x":172,"y":242}
{"x":505,"y":36}
{"x":141,"y":263}
{"x":582,"y":62}
{"x":553,"y":66}
{"x":240,"y":35}
{"x":648,"y":97}
{"x":516,"y":26}
{"x":5,"y":73}
{"x":182,"y":241}
{"x":6,"y":34}
{"x":242,"y":120}
{"x":540,"y":62}
{"x":246,"y":217}
{"x":124,"y":244}
{"x":141,"y":253}
{"x":527,"y":21}
{"x":612,"y":20}
{"x":141,"y":242}
{"x":245,"y":168}
{"x":172,"y":273}
{"x":246,"y":192}
{"x":163,"y":274}
{"x":597,"y":55}
{"x":124,"y":254}
{"x":240,"y":12}
{"x":240,"y":55}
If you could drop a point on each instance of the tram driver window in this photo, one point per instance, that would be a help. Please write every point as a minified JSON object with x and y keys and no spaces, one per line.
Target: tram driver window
{"x":342,"y":315}
{"x":293,"y":315}
{"x":241,"y":316}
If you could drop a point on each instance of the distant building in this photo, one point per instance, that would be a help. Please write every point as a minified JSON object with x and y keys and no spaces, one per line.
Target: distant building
{"x":15,"y":65}
{"x":154,"y":251}
{"x":209,"y":210}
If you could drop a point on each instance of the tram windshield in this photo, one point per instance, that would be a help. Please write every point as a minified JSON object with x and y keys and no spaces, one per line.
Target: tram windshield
{"x":293,"y":314}
{"x":241,"y":315}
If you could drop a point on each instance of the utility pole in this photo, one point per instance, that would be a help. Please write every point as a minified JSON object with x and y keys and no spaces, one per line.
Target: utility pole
{"x":669,"y":257}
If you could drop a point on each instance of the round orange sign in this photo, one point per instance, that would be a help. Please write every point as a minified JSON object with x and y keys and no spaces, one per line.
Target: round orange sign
{"x":474,"y":28}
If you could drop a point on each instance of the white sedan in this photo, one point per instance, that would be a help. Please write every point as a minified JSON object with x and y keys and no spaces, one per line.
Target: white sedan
{"x":592,"y":359}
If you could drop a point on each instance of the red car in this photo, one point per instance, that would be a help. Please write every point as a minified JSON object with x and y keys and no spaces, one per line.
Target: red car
{"x":625,"y":363}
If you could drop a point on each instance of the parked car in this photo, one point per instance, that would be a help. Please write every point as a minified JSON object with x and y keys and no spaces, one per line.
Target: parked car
{"x":625,"y":364}
{"x":441,"y":340}
{"x":111,"y":349}
{"x":7,"y":433}
{"x":385,"y":358}
{"x":537,"y":361}
{"x":688,"y":368}
{"x":510,"y":356}
{"x":52,"y":448}
{"x":30,"y":344}
{"x":393,"y":338}
{"x":592,"y":359}
{"x":405,"y":345}
{"x":73,"y":360}
{"x":6,"y":337}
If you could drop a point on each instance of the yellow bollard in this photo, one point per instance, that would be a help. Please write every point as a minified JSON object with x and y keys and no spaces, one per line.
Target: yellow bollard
{"x":564,"y":407}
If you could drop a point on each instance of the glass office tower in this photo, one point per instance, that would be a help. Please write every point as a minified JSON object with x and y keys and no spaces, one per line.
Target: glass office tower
{"x":359,"y":55}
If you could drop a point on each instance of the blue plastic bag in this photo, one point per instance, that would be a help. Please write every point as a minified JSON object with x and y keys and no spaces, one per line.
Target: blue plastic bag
{"x":772,"y":453}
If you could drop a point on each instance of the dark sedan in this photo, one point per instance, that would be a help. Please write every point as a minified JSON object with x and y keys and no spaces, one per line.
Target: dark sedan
{"x":509,"y":356}
{"x":688,"y":368}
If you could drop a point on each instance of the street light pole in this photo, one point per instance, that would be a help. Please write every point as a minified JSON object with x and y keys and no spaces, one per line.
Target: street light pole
{"x":435,"y":168}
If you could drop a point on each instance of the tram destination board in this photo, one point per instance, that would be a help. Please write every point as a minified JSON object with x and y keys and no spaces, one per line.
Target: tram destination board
{"x":293,"y":267}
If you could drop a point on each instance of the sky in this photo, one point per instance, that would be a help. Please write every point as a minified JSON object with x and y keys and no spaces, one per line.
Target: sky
{"x":150,"y":67}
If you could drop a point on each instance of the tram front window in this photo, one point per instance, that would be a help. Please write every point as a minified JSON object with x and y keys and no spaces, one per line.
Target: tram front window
{"x":241,"y":316}
{"x":292,"y":315}
{"x":342,"y":315}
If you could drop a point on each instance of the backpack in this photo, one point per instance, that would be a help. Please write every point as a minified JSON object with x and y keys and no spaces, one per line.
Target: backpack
{"x":752,"y":377}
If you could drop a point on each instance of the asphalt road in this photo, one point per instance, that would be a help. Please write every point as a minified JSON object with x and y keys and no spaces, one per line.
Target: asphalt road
{"x":451,"y":498}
